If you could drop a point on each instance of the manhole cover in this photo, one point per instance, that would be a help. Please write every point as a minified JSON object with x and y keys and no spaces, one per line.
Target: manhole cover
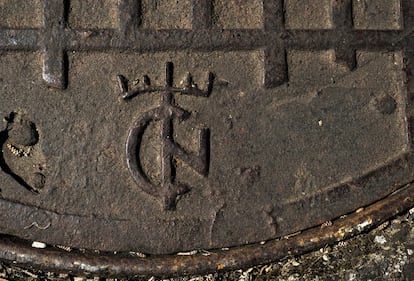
{"x":170,"y":137}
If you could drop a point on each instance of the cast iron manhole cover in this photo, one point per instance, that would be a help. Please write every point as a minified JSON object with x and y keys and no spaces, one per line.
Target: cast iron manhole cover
{"x":204,"y":134}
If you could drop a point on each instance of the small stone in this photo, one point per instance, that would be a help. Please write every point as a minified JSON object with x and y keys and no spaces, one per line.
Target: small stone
{"x":410,"y":252}
{"x":359,"y":210}
{"x":325,"y":258}
{"x":352,"y":276}
{"x":38,"y":245}
{"x":396,"y":221}
{"x":328,"y":249}
{"x":293,"y":277}
{"x":295,"y":263}
{"x":380,"y":240}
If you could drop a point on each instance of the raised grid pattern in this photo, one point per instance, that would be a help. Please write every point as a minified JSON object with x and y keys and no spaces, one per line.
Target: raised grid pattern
{"x":56,"y":38}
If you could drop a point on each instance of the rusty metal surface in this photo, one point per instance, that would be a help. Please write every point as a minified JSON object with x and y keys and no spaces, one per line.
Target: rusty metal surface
{"x":108,"y":264}
{"x":252,"y":121}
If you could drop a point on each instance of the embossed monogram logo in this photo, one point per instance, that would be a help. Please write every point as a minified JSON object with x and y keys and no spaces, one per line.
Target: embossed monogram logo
{"x":169,"y":189}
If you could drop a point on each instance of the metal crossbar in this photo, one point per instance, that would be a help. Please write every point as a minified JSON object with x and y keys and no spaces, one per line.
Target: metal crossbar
{"x":56,"y":38}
